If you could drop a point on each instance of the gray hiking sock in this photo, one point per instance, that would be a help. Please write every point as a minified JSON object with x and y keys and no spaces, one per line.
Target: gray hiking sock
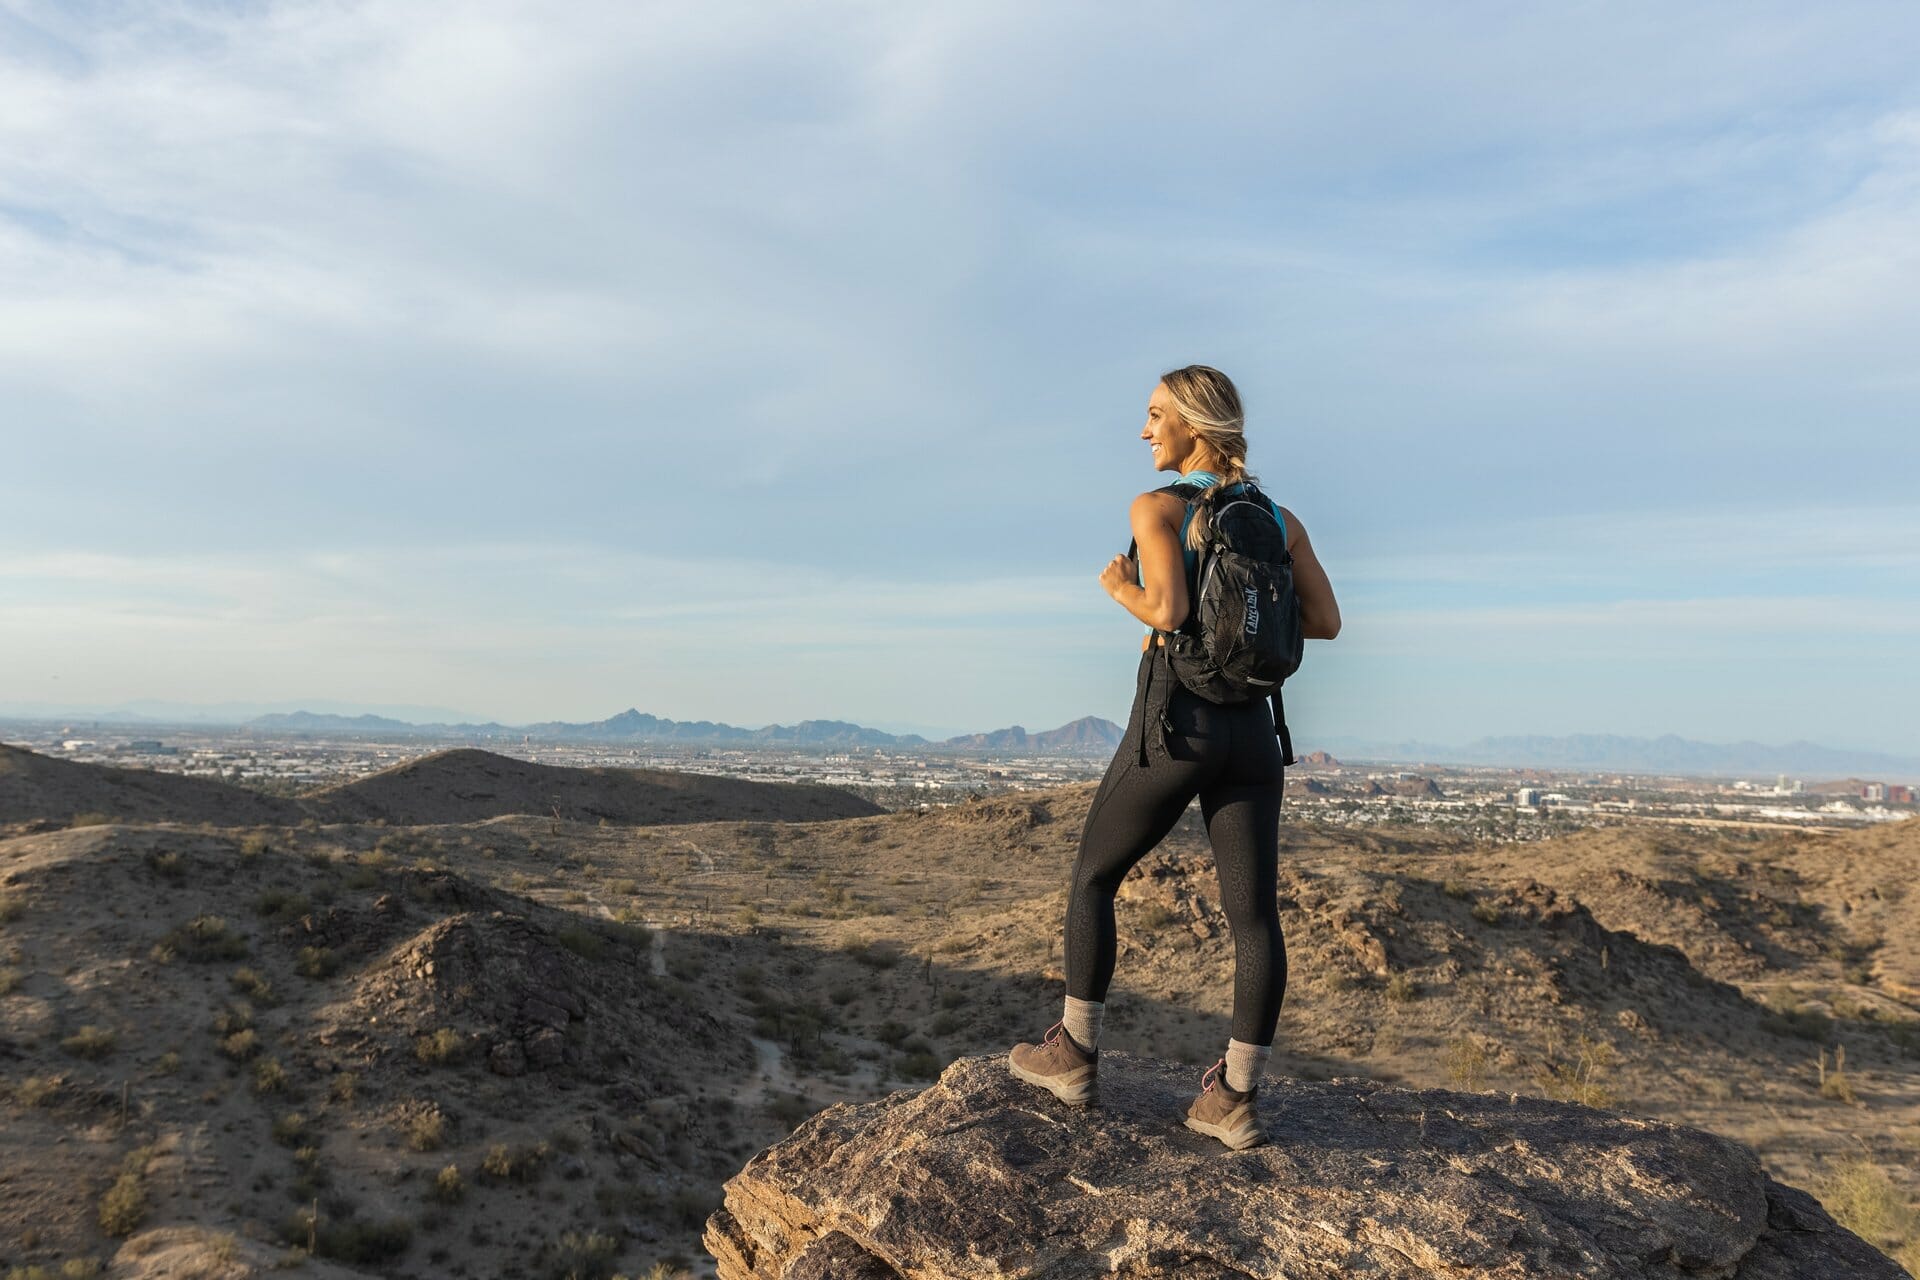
{"x":1246,"y":1063}
{"x":1083,"y":1022}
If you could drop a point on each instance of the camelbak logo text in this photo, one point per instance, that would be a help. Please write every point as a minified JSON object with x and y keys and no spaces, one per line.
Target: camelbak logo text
{"x":1253,"y":612}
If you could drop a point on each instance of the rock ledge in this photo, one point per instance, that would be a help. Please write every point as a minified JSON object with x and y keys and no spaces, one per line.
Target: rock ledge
{"x":980,"y":1176}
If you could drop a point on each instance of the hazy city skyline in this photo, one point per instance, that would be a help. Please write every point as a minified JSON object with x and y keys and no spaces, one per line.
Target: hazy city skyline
{"x":758,"y":365}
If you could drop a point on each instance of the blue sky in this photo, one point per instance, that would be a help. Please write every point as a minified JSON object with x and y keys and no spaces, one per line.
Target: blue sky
{"x":761,"y":362}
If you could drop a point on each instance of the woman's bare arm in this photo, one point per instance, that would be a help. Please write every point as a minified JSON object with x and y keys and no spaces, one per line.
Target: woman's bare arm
{"x":1319,"y":611}
{"x":1159,"y":598}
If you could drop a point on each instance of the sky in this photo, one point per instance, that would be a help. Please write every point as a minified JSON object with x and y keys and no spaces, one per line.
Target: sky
{"x":761,"y":362}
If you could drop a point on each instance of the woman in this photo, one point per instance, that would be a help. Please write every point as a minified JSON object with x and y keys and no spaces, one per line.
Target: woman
{"x":1228,"y":756}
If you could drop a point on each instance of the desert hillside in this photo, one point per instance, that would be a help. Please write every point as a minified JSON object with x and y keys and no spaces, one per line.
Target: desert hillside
{"x":523,"y":1046}
{"x":40,"y":792}
{"x":467,"y":785}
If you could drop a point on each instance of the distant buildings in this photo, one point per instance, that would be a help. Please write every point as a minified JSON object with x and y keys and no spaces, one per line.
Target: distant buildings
{"x":1871,"y":792}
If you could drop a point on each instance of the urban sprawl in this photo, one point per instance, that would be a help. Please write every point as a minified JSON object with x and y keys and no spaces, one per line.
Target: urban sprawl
{"x":1498,"y":803}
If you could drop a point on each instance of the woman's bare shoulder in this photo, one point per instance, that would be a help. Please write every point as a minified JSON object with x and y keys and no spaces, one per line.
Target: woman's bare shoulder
{"x":1157,"y":504}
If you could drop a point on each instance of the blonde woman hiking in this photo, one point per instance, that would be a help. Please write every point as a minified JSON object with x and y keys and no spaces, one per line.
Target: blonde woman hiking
{"x":1180,"y":745}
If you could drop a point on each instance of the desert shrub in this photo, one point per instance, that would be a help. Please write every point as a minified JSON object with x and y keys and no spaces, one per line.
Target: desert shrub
{"x":1454,"y":888}
{"x":254,"y":843}
{"x":445,"y":1047}
{"x":427,"y":1131}
{"x":945,"y":1024}
{"x":1486,"y":913}
{"x":1835,"y":1084}
{"x":251,"y":983}
{"x":269,"y":1076}
{"x":344,"y":1086}
{"x":350,"y":1240}
{"x":448,"y":1186}
{"x":1793,"y":1016}
{"x":37,"y":1091}
{"x":582,"y":941}
{"x":204,"y":939}
{"x":692,"y":1206}
{"x":89,"y":1042}
{"x":92,"y":818}
{"x":316,"y":962}
{"x":241,"y":1045}
{"x":1156,"y":915}
{"x":9,"y":980}
{"x":124,"y":1206}
{"x":1466,"y":1063}
{"x":1401,"y":988}
{"x":789,"y":1109}
{"x":667,"y":1271}
{"x":71,"y":1269}
{"x":281,"y":904}
{"x":167,"y":1064}
{"x":953,"y":998}
{"x":624,"y":887}
{"x":628,"y":930}
{"x":579,"y":1255}
{"x":232,"y":1018}
{"x":1581,"y":1078}
{"x":10,"y":908}
{"x":921,"y":1064}
{"x":1862,"y":1197}
{"x":290,"y":1129}
{"x":514,"y":1164}
{"x":168,"y":865}
{"x":892,"y":1034}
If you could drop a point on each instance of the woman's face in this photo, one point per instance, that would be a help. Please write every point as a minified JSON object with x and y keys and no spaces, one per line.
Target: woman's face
{"x":1172,"y":443}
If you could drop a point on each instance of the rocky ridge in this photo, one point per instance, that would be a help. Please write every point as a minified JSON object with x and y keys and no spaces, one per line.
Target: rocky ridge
{"x":979,"y":1176}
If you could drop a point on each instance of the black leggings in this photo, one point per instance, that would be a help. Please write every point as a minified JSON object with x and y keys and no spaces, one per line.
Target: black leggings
{"x":1229,"y":757}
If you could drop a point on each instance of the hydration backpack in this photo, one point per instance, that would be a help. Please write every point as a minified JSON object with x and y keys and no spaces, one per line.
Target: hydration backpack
{"x":1242,"y":637}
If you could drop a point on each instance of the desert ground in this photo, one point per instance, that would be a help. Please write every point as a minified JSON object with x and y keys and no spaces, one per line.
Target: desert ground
{"x":531,"y":1045}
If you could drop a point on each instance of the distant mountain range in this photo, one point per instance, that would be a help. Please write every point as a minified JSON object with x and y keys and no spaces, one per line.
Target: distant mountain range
{"x":1608,"y":753}
{"x":1090,"y":735}
{"x":1087,"y":735}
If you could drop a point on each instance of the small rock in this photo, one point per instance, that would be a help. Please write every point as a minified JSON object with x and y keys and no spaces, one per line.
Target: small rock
{"x":507,"y":1058}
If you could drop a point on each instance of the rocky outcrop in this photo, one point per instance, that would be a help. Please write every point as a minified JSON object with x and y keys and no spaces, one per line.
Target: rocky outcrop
{"x":981,"y":1176}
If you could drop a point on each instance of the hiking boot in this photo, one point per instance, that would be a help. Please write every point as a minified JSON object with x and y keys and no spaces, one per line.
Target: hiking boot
{"x":1221,"y":1113}
{"x":1057,"y":1063}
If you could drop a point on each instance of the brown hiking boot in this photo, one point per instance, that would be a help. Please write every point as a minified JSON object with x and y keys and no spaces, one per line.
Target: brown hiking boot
{"x":1221,"y":1113}
{"x":1057,"y":1063}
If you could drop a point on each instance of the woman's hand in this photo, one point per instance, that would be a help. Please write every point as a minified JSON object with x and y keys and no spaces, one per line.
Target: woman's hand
{"x":1119,"y":573}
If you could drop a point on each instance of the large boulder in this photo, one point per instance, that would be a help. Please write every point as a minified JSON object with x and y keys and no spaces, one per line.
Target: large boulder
{"x":982,"y":1176}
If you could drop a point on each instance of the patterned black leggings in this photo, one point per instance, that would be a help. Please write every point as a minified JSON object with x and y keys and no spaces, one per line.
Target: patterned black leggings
{"x":1229,"y":757}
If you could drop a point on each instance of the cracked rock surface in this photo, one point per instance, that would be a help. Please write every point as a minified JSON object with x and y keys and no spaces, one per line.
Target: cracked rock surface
{"x":982,"y":1176}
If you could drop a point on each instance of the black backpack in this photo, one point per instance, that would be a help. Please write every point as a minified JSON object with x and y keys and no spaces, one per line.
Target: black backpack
{"x":1242,"y":637}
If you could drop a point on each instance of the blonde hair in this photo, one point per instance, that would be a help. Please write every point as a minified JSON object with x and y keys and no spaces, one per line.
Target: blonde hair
{"x":1209,"y":406}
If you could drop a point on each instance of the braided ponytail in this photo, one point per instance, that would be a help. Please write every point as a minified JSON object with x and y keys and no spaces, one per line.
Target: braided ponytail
{"x":1209,"y":406}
